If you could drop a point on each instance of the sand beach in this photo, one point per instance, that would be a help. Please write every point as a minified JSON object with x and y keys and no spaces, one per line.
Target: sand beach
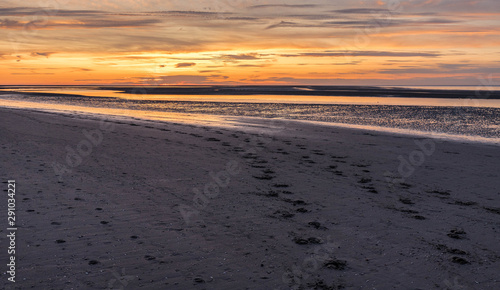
{"x":105,"y":202}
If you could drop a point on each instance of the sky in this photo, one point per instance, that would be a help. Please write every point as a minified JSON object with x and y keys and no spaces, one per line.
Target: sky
{"x":243,"y":42}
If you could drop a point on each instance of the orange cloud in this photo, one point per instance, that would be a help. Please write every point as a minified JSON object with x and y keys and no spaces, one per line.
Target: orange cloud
{"x":136,"y":41}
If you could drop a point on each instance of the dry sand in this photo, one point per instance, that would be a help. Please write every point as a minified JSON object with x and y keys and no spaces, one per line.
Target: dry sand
{"x":157,"y":205}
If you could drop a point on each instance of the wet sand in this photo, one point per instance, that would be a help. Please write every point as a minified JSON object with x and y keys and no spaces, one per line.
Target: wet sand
{"x":110,"y":202}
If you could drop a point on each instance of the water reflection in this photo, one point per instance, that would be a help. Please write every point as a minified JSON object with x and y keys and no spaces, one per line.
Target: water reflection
{"x":286,"y":99}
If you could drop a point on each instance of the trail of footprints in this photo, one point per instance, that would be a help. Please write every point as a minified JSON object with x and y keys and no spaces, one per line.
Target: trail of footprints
{"x":290,"y":207}
{"x":456,"y":255}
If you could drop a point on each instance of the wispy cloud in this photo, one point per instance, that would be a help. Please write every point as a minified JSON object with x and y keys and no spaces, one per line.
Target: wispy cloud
{"x":248,"y":56}
{"x":183,"y":14}
{"x":443,"y":70}
{"x":81,"y":69}
{"x":177,"y":79}
{"x":364,"y":53}
{"x":102,"y":23}
{"x":48,"y":12}
{"x":185,"y":64}
{"x":298,"y":6}
{"x":362,"y":11}
{"x":285,"y":24}
{"x":375,"y":22}
{"x":46,"y":54}
{"x":253,"y":65}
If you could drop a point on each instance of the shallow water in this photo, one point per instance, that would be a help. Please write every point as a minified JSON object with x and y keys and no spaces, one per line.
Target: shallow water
{"x":140,"y":95}
{"x":460,"y":117}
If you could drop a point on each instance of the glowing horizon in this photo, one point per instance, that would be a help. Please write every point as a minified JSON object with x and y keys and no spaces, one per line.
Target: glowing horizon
{"x":240,"y":42}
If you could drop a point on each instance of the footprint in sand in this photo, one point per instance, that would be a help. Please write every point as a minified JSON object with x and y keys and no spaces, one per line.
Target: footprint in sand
{"x":303,"y":241}
{"x":465,"y":203}
{"x":212,"y":139}
{"x":317,"y":225}
{"x":458,"y":234}
{"x":459,"y":260}
{"x":406,"y":200}
{"x":332,"y":168}
{"x":282,"y":214}
{"x":492,"y":209}
{"x":294,"y":202}
{"x":365,"y":180}
{"x":440,"y":192}
{"x":263,"y":177}
{"x":335,"y":264}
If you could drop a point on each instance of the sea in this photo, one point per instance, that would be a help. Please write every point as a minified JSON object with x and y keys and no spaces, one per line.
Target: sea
{"x":396,"y":110}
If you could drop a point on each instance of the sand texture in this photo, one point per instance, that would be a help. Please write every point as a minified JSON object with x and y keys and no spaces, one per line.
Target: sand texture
{"x":120,"y":203}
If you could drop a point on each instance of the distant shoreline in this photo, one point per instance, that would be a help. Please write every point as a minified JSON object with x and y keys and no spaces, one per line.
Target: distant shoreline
{"x":333,"y":91}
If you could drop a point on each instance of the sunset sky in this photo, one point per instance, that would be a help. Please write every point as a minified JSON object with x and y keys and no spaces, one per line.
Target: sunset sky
{"x":323,"y":42}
